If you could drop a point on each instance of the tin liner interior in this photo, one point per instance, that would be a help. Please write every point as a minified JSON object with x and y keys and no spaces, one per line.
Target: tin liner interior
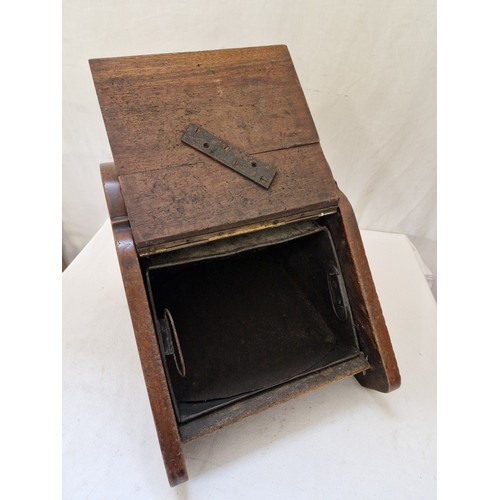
{"x":248,"y":313}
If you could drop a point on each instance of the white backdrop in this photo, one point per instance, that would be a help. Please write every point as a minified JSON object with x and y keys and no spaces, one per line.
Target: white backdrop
{"x":368,"y":69}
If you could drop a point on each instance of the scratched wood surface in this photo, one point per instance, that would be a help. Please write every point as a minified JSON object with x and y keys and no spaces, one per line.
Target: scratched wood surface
{"x":250,"y":97}
{"x":165,"y":204}
{"x":373,"y":335}
{"x":147,"y":344}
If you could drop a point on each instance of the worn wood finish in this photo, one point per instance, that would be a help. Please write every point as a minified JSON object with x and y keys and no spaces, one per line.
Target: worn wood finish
{"x":147,"y":345}
{"x":262,"y":401}
{"x":191,"y":200}
{"x":373,"y":335}
{"x":249,"y":97}
{"x":164,"y":194}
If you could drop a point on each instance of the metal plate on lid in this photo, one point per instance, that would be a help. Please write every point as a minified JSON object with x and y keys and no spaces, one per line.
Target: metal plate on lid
{"x":175,"y":196}
{"x":229,"y":155}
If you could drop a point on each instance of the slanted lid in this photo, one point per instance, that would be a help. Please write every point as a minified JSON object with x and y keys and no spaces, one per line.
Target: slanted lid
{"x":249,"y":97}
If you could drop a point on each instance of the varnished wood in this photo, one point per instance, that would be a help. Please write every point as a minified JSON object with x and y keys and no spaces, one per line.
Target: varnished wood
{"x":373,"y":335}
{"x":147,"y":344}
{"x":188,"y":201}
{"x":250,"y":97}
{"x":164,"y":194}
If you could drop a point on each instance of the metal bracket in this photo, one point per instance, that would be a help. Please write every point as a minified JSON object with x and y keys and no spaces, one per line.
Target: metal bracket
{"x":235,"y":158}
{"x":336,"y":293}
{"x":168,"y":334}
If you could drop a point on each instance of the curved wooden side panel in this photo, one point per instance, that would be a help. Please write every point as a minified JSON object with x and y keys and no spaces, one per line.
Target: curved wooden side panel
{"x":147,"y":344}
{"x":373,"y":335}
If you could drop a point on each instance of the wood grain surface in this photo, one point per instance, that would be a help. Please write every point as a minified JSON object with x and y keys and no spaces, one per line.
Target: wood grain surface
{"x":184,"y":201}
{"x":250,"y":97}
{"x":373,"y":335}
{"x":145,"y":335}
{"x":163,"y":192}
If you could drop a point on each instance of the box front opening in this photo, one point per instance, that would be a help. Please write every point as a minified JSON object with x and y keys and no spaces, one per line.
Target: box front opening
{"x":250,"y":319}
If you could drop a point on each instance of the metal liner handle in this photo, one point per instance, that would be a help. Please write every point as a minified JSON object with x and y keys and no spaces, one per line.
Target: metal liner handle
{"x":336,"y":294}
{"x":177,"y":352}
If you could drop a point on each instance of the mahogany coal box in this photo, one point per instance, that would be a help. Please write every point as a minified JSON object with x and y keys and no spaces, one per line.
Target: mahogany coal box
{"x":242,"y":262}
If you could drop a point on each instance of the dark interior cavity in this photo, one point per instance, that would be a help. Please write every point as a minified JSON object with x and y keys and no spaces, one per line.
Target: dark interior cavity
{"x":240,"y":316}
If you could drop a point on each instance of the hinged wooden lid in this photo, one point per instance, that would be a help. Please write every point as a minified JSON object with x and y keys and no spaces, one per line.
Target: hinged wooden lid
{"x":252,"y":98}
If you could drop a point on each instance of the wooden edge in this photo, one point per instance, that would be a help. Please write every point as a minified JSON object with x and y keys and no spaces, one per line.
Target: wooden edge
{"x":374,"y":337}
{"x":250,"y":228}
{"x":147,"y":344}
{"x":264,"y":400}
